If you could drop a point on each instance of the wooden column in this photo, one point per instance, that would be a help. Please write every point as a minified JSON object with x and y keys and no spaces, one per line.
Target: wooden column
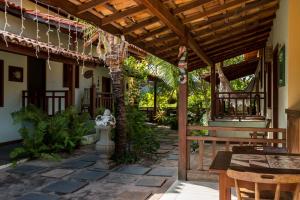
{"x":72,"y":85}
{"x":213,"y":91}
{"x":182,"y":114}
{"x":155,"y":98}
{"x":275,"y":90}
{"x":93,"y":100}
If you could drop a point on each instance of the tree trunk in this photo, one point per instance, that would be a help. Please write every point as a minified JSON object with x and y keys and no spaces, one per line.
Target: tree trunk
{"x":120,"y":112}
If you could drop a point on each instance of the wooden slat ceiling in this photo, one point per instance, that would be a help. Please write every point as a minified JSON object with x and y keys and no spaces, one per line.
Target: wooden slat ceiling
{"x":213,"y":29}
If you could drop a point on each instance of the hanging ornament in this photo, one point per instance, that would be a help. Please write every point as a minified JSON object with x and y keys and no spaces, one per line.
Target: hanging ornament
{"x":58,"y":28}
{"x":69,"y":38}
{"x":48,"y":38}
{"x":37,"y":30}
{"x":22,"y":18}
{"x":6,"y":24}
{"x":76,"y":43}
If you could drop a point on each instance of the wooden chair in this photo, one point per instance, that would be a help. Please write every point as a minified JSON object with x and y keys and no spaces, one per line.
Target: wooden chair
{"x":271,"y":179}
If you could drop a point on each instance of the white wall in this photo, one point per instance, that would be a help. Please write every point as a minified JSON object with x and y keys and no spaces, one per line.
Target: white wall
{"x":54,"y":77}
{"x":279,"y":35}
{"x":12,"y":96}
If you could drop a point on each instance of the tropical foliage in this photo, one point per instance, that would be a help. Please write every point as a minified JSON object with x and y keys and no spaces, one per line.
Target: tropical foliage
{"x":45,"y":136}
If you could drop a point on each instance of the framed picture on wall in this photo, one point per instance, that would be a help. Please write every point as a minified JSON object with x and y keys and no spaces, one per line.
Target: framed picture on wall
{"x":281,"y":63}
{"x":15,"y":74}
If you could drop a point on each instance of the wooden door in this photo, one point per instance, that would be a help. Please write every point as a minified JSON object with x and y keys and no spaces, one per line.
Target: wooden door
{"x":106,"y":85}
{"x":36,"y":81}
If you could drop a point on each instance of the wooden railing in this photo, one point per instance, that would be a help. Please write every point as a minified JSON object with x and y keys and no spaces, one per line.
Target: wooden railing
{"x":50,"y":101}
{"x":225,"y":143}
{"x":240,"y":104}
{"x":104,"y":100}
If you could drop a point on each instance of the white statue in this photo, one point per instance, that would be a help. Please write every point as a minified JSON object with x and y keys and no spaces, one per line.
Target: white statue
{"x":107,"y":119}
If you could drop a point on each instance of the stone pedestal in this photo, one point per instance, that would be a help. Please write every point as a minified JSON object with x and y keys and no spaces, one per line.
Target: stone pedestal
{"x":105,"y":147}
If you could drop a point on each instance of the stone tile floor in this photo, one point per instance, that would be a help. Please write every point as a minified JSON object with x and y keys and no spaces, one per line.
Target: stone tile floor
{"x":76,"y":177}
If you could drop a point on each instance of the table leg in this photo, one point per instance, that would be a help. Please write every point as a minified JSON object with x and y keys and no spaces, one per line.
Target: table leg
{"x":224,"y":188}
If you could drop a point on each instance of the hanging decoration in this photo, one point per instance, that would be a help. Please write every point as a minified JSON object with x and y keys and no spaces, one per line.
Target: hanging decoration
{"x":48,"y":38}
{"x":69,"y":38}
{"x":22,"y":18}
{"x":58,"y":28}
{"x":37,"y":49}
{"x":76,"y":44}
{"x":6,"y":24}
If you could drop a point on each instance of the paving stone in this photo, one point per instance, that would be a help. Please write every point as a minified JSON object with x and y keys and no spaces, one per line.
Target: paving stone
{"x":172,"y":157}
{"x":64,"y":186}
{"x":134,"y":195}
{"x":38,"y":196}
{"x":58,"y":173}
{"x":151,"y":182}
{"x":77,"y":164}
{"x":136,"y":170}
{"x":90,"y":158}
{"x":161,"y":151}
{"x":162,"y":171}
{"x":26,"y":169}
{"x":89,"y":175}
{"x":121,"y":178}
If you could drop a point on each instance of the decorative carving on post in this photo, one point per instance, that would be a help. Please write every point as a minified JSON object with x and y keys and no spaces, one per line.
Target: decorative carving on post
{"x":182,"y":64}
{"x":182,"y":113}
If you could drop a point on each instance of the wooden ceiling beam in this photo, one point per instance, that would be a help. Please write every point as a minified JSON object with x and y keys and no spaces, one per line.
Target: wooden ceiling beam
{"x":237,"y":52}
{"x":139,"y":25}
{"x":228,"y":47}
{"x":189,"y":6}
{"x":237,"y":39}
{"x":153,"y":33}
{"x":122,"y":14}
{"x":93,"y":19}
{"x":89,"y":5}
{"x":221,"y":17}
{"x":234,"y":33}
{"x":159,"y":10}
{"x":251,"y":19}
{"x":239,"y":20}
{"x":213,"y":10}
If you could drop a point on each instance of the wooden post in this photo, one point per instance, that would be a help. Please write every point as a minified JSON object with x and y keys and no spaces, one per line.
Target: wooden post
{"x":72,"y":85}
{"x":155,"y":99}
{"x":213,"y":91}
{"x":93,"y":100}
{"x":182,"y":113}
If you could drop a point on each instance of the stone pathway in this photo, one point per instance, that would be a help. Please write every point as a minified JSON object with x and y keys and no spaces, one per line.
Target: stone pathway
{"x":78,"y":178}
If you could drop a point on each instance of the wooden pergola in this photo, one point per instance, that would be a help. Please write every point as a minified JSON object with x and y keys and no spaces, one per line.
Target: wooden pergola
{"x":210,"y":31}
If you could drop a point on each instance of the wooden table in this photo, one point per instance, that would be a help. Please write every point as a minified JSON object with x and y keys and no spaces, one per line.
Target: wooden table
{"x":222,"y":162}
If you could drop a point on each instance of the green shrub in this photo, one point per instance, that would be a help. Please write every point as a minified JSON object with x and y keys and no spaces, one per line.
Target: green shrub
{"x":143,"y":140}
{"x":44,"y":137}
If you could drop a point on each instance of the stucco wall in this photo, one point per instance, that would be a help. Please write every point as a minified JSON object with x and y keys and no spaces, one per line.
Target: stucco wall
{"x":279,"y":36}
{"x":54,"y":77}
{"x":294,"y":55}
{"x":12,"y":96}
